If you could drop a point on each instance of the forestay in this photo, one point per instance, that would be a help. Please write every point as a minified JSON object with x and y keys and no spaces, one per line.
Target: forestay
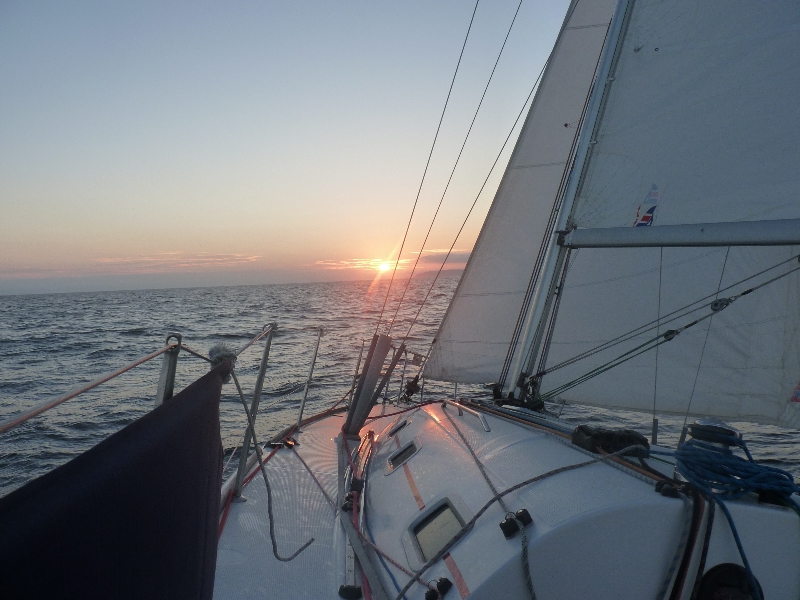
{"x":699,"y":125}
{"x":473,"y":339}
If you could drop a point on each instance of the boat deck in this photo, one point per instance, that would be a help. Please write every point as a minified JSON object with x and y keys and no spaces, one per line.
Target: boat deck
{"x":604,"y":517}
{"x":300,"y":512}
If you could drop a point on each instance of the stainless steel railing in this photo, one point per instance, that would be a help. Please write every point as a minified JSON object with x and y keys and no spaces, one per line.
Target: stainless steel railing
{"x":166,"y":382}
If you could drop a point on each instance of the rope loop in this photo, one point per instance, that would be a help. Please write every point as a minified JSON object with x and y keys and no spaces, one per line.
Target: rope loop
{"x":719,"y":474}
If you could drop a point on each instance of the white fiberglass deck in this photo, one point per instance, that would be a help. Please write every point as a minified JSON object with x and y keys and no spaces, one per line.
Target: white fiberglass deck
{"x":246,"y":567}
{"x":599,"y":531}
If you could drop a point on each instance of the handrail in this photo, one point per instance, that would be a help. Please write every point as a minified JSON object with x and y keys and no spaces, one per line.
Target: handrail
{"x":268,"y":328}
{"x":471,"y":411}
{"x":251,"y":416}
{"x":37,"y":410}
{"x":320,"y":333}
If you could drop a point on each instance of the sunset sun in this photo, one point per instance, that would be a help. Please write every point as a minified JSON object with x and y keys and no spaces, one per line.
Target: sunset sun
{"x":384,"y":266}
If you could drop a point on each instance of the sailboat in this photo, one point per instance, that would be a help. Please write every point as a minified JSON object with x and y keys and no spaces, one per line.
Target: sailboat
{"x":641,"y":253}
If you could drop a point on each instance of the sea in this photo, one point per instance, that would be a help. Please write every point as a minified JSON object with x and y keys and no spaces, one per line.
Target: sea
{"x":51,"y":344}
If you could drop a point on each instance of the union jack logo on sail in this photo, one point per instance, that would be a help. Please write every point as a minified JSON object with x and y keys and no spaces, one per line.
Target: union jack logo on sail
{"x":796,"y":396}
{"x":646,"y":213}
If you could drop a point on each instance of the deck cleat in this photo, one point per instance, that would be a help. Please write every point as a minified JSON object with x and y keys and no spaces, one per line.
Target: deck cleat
{"x":509,"y":524}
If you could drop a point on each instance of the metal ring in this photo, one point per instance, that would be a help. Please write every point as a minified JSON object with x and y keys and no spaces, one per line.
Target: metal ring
{"x":173,"y":334}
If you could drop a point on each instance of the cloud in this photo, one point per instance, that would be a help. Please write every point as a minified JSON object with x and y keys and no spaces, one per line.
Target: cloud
{"x":429,"y":259}
{"x":370,"y":264}
{"x":179,"y":261}
{"x":35,"y":272}
{"x":160,"y":262}
{"x":437,"y":256}
{"x":175,"y":261}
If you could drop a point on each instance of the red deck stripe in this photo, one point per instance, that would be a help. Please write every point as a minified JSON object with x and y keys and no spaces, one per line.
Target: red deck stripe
{"x":458,"y":579}
{"x":225,"y":514}
{"x":411,"y":483}
{"x":413,"y":486}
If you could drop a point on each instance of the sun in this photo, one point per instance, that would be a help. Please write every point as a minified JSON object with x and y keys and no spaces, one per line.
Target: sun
{"x":384,"y":266}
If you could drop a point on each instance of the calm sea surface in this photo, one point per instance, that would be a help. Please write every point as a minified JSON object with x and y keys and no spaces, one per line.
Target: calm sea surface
{"x":50,"y":344}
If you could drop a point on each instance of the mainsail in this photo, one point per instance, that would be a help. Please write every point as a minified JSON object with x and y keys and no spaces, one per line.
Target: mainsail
{"x":473,"y":340}
{"x":701,"y":105}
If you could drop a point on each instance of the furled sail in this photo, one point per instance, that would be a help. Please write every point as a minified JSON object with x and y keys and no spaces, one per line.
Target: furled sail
{"x":473,"y":340}
{"x":699,"y":125}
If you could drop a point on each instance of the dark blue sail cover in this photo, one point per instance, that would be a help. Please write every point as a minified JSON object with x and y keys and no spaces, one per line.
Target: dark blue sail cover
{"x":134,"y":517}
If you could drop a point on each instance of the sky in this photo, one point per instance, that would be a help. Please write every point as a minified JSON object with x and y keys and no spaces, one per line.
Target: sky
{"x":152,"y":144}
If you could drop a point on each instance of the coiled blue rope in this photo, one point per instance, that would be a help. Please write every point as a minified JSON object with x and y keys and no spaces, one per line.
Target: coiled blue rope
{"x":721,"y":475}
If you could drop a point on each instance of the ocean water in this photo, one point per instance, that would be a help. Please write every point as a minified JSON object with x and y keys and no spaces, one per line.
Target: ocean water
{"x":51,"y":344}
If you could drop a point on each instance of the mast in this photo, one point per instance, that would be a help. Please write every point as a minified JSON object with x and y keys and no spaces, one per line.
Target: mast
{"x":477,"y":339}
{"x":533,"y":332}
{"x":697,"y":127}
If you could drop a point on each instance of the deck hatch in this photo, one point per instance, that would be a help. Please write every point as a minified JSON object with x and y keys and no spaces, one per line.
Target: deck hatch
{"x":436,"y":530}
{"x":402,"y":455}
{"x":397,"y":427}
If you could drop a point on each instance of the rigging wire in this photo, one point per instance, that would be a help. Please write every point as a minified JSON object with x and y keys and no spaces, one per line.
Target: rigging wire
{"x":675,"y":315}
{"x":705,"y":341}
{"x":663,"y":338}
{"x":469,"y":525}
{"x":427,"y":164}
{"x":551,"y":222}
{"x":720,"y":475}
{"x":471,"y":208}
{"x":261,"y":462}
{"x":658,"y":332}
{"x":559,"y":293}
{"x":452,"y":172}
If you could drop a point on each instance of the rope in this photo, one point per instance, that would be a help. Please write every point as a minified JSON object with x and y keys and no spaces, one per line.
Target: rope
{"x":641,"y":349}
{"x":705,"y":342}
{"x":675,"y":314}
{"x":721,"y":475}
{"x":400,"y":412}
{"x":381,"y":558}
{"x":264,"y":331}
{"x":369,"y":440}
{"x":687,"y":525}
{"x":475,"y":458}
{"x":266,"y":480}
{"x":702,"y":566}
{"x":186,"y":348}
{"x":272,"y":453}
{"x":464,"y":530}
{"x":427,"y":164}
{"x":551,"y":223}
{"x":658,"y":332}
{"x":314,"y":477}
{"x":220,"y":353}
{"x":233,"y":451}
{"x":716,"y":307}
{"x":526,"y":569}
{"x":281,"y":398}
{"x":458,"y":158}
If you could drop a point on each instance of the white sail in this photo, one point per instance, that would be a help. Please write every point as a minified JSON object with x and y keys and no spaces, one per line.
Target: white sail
{"x":699,"y":125}
{"x":474,"y":337}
